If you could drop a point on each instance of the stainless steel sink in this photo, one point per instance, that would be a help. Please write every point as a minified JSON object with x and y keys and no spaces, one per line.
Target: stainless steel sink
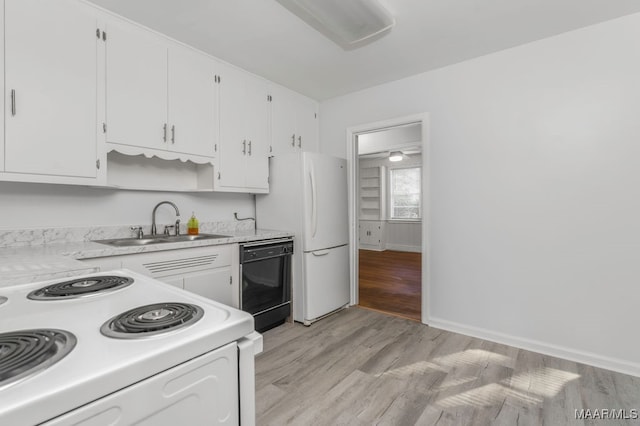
{"x":175,"y":238}
{"x":159,"y":239}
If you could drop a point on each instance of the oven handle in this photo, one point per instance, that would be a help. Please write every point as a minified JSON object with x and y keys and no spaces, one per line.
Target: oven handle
{"x":265,"y":258}
{"x":266,"y":242}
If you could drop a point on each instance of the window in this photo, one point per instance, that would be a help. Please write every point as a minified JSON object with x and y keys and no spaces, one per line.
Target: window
{"x":404,"y":193}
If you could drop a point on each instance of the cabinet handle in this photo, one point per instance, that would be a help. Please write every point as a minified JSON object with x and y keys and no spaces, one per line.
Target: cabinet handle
{"x":299,"y":141}
{"x":249,"y":147}
{"x":293,"y":140}
{"x":244,"y":147}
{"x":13,"y":102}
{"x":173,"y":134}
{"x":164,"y":132}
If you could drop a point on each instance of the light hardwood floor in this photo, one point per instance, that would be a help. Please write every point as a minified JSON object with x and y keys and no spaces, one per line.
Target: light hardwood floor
{"x":391,"y":281}
{"x":360,"y":367}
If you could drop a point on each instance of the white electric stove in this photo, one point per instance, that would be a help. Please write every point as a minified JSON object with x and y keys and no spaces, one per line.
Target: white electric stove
{"x":68,"y":356}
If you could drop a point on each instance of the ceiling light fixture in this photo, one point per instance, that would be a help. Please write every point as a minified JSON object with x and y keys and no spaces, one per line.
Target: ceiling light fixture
{"x":395,"y":156}
{"x":348,"y":23}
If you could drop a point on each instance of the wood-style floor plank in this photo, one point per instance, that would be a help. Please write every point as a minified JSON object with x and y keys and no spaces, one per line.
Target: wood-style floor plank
{"x":360,"y":367}
{"x":391,"y":281}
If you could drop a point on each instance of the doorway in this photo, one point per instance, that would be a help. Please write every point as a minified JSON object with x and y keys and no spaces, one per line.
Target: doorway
{"x":388,"y":210}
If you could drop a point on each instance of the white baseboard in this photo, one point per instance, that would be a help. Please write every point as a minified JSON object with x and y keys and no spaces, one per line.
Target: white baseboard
{"x":403,"y":247}
{"x":575,"y":355}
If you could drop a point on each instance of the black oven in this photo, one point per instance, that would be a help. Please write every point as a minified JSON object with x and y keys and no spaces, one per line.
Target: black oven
{"x":265,"y":268}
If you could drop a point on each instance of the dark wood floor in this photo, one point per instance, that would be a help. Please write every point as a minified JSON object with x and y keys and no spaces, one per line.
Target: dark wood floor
{"x":359,"y":367}
{"x":391,"y":281}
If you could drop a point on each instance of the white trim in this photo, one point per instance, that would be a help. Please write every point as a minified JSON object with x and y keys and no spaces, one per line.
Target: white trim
{"x":418,"y":221}
{"x":352,"y":170}
{"x":403,"y":247}
{"x":558,"y":351}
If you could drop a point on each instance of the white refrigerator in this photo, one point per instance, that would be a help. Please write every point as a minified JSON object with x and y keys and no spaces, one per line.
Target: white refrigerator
{"x":308,"y":195}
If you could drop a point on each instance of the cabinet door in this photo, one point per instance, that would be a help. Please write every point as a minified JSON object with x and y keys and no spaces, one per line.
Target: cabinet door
{"x":233,"y":142}
{"x":174,"y":281}
{"x":193,"y":107}
{"x":136,"y":87}
{"x":214,"y":284}
{"x":364,"y":231}
{"x":257,"y":128}
{"x":283,"y":122}
{"x":376,"y":234}
{"x":51,"y":57}
{"x":307,"y":125}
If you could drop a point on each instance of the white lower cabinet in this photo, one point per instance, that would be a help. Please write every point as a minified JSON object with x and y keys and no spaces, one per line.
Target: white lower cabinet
{"x":221,"y":290}
{"x":210,"y":272}
{"x":371,"y":235}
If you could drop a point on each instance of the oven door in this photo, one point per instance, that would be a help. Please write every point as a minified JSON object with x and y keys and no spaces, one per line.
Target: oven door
{"x":266,"y":282}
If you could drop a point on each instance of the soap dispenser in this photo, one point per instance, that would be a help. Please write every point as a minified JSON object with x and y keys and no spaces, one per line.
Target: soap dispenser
{"x":192,"y":225}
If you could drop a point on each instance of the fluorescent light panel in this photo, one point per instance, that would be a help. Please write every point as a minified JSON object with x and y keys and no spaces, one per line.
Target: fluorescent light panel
{"x":348,"y":23}
{"x":395,"y":156}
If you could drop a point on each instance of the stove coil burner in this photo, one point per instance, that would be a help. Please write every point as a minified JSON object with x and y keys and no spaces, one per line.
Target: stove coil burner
{"x":80,"y":287}
{"x":150,"y":320}
{"x":3,"y":300}
{"x":24,"y":353}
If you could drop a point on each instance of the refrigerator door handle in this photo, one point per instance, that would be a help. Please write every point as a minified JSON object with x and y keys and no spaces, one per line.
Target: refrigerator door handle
{"x":314,"y":204}
{"x":320,"y":252}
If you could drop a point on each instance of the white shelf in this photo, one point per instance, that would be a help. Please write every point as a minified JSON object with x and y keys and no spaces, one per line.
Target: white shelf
{"x":155,"y":174}
{"x":371,"y":193}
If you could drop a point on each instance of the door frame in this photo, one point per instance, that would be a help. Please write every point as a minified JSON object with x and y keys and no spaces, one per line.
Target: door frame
{"x":352,"y":173}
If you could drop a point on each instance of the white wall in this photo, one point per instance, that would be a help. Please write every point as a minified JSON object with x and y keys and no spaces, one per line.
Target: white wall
{"x":535,"y":190}
{"x":30,"y":205}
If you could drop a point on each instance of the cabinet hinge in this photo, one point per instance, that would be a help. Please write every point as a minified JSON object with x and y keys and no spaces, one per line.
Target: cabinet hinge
{"x":218,"y":175}
{"x":270,"y":148}
{"x":215,"y":147}
{"x":98,"y":164}
{"x":104,"y":36}
{"x":104,"y":127}
{"x":230,"y":279}
{"x":98,"y":33}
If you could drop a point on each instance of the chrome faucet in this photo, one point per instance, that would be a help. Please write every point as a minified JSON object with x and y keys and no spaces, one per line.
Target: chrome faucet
{"x":153,"y":217}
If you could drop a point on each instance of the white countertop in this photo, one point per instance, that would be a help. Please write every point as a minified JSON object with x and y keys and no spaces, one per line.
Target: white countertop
{"x":52,"y":261}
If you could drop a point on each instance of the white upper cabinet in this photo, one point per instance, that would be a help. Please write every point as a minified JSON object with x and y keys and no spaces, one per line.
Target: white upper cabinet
{"x":160,"y":95}
{"x":294,"y":124}
{"x":84,"y":87}
{"x":193,"y":102}
{"x":51,"y":50}
{"x":243,"y":163}
{"x":136,"y":87}
{"x":257,"y":127}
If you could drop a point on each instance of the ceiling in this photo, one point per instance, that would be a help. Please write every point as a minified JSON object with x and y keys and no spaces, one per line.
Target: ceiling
{"x":263,"y":37}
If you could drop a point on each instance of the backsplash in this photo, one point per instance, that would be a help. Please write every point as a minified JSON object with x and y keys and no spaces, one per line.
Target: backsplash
{"x":41,"y":236}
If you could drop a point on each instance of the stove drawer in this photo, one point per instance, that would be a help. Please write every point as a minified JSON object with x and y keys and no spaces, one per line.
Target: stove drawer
{"x":201,"y":391}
